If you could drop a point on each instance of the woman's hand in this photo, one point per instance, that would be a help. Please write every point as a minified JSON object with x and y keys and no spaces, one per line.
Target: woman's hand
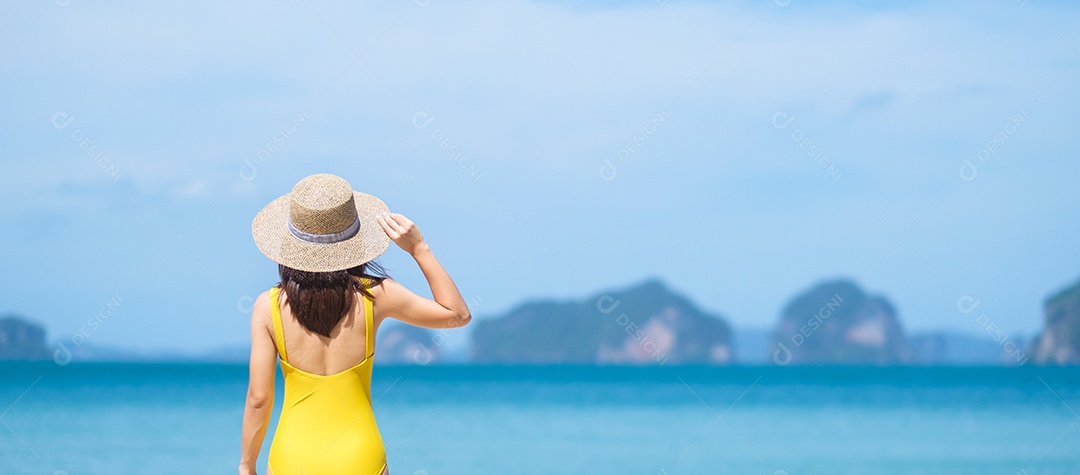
{"x":247,"y":470}
{"x":403,"y":232}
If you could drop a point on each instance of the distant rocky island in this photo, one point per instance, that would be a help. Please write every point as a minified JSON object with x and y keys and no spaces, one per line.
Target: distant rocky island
{"x":831,"y":322}
{"x":836,"y":322}
{"x":956,"y":348}
{"x":399,"y":343}
{"x":1059,"y":342}
{"x":21,"y":339}
{"x":644,"y":324}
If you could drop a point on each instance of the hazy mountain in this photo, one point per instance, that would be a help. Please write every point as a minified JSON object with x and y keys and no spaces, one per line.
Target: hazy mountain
{"x":400,"y":343}
{"x":955,"y":348}
{"x":643,"y":324}
{"x":835,"y":322}
{"x":21,"y":339}
{"x":753,"y":345}
{"x":1059,"y":341}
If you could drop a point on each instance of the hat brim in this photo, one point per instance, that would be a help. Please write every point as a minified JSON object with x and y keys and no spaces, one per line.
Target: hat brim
{"x":272,"y":236}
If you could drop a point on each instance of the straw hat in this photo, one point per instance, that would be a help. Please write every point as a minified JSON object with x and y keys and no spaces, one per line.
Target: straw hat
{"x":322,"y":226}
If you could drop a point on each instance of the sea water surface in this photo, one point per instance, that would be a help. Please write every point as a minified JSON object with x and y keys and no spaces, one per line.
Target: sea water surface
{"x":118,"y":418}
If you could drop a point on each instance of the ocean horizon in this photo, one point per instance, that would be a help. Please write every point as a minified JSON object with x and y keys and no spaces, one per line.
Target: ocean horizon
{"x":105,"y":418}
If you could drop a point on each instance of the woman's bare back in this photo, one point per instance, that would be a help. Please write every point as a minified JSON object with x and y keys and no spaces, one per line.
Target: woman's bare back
{"x":317,"y":354}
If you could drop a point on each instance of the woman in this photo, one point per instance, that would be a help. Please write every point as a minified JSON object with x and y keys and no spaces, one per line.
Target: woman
{"x":320,"y":323}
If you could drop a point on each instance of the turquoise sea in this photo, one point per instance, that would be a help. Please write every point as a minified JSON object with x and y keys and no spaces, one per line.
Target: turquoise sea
{"x":119,"y":418}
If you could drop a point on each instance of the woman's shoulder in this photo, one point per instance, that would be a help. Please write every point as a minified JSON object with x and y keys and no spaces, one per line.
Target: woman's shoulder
{"x":260,"y":308}
{"x":384,"y":287}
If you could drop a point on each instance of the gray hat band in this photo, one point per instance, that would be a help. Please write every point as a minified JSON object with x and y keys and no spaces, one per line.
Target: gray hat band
{"x":331,"y":238}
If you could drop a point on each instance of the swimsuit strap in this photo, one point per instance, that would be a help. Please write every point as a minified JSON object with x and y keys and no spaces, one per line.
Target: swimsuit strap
{"x":369,"y":317}
{"x":275,"y":315}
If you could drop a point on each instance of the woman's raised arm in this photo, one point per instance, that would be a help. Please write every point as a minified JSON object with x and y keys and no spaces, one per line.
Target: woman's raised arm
{"x":448,"y":310}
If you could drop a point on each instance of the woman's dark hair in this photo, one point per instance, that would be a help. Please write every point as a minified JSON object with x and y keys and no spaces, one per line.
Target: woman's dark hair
{"x":319,"y":300}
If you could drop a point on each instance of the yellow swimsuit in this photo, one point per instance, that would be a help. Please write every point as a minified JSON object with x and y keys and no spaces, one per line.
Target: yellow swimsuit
{"x":326,"y":425}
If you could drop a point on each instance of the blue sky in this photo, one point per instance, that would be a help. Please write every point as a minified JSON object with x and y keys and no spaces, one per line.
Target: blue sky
{"x":740,"y":152}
